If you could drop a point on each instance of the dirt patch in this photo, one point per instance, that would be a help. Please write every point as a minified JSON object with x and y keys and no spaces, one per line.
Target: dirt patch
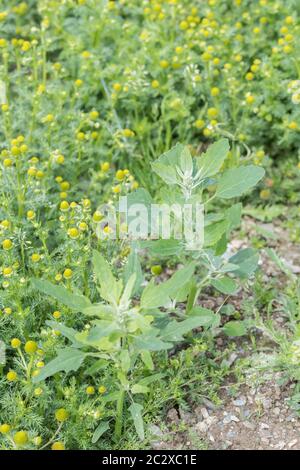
{"x":258,"y":417}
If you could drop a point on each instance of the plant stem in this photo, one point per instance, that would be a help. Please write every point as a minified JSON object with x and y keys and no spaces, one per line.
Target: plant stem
{"x":119,"y":417}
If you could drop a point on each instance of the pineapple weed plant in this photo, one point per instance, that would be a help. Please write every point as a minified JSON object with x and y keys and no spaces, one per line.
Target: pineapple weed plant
{"x":98,"y":338}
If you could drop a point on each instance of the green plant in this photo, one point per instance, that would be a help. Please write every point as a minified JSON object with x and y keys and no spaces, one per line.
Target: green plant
{"x":126,"y":331}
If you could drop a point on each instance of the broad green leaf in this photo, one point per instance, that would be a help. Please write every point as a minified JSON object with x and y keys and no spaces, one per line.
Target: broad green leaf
{"x":140,"y":196}
{"x":178,"y":279}
{"x":184,"y":291}
{"x":186,"y":161}
{"x":147,"y":359}
{"x":133,"y":265}
{"x":237,"y":181}
{"x":234,"y":328}
{"x":101,"y":429}
{"x":154,"y":296}
{"x":226,"y":285}
{"x":212,"y":160}
{"x":164,"y":248}
{"x":67,"y":359}
{"x":110,"y":288}
{"x":246,"y":261}
{"x":228,"y":268}
{"x":138,"y":388}
{"x":172,"y":157}
{"x":158,"y":295}
{"x":126,"y":296}
{"x":150,"y":342}
{"x":96,"y":366}
{"x":233,"y":215}
{"x":73,"y":301}
{"x":205,"y":316}
{"x":69,"y":333}
{"x":110,"y":397}
{"x":213,"y":232}
{"x":93,"y":337}
{"x":136,"y":413}
{"x":175,"y":330}
{"x":151,"y":378}
{"x":100,"y":310}
{"x":125,"y":360}
{"x":167,"y":173}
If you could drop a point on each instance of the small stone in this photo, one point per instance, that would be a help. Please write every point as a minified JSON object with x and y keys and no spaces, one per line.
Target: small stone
{"x":210,"y":420}
{"x":209,"y":404}
{"x":292,"y":443}
{"x":249,"y":425}
{"x":201,"y":427}
{"x":172,"y":415}
{"x":229,"y":418}
{"x":276,"y":411}
{"x":264,"y":426}
{"x":204,"y":413}
{"x":235,"y":419}
{"x":241,"y":401}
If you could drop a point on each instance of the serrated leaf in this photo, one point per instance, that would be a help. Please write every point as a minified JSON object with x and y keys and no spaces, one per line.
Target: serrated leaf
{"x":178,"y":279}
{"x":212,"y":160}
{"x":67,"y":359}
{"x":237,"y":181}
{"x":175,"y":330}
{"x":205,"y":316}
{"x":246,"y":260}
{"x":69,"y":333}
{"x":150,"y":342}
{"x":154,"y":296}
{"x":213,"y":232}
{"x":73,"y":301}
{"x":167,"y":173}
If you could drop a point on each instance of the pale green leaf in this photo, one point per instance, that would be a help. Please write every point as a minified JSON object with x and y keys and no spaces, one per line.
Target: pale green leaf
{"x":67,"y":359}
{"x":101,"y":429}
{"x":136,"y":414}
{"x":237,"y":181}
{"x":73,"y":301}
{"x":212,"y":160}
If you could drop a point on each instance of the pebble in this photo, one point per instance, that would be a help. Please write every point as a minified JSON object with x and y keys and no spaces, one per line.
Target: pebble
{"x":229,"y":418}
{"x":292,"y":443}
{"x":276,"y":411}
{"x":241,"y":401}
{"x":204,"y":413}
{"x":210,"y":405}
{"x":249,"y":425}
{"x":201,"y":427}
{"x":264,"y":426}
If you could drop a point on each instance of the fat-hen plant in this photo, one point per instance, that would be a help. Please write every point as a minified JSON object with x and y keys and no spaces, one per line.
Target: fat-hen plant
{"x":133,"y":321}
